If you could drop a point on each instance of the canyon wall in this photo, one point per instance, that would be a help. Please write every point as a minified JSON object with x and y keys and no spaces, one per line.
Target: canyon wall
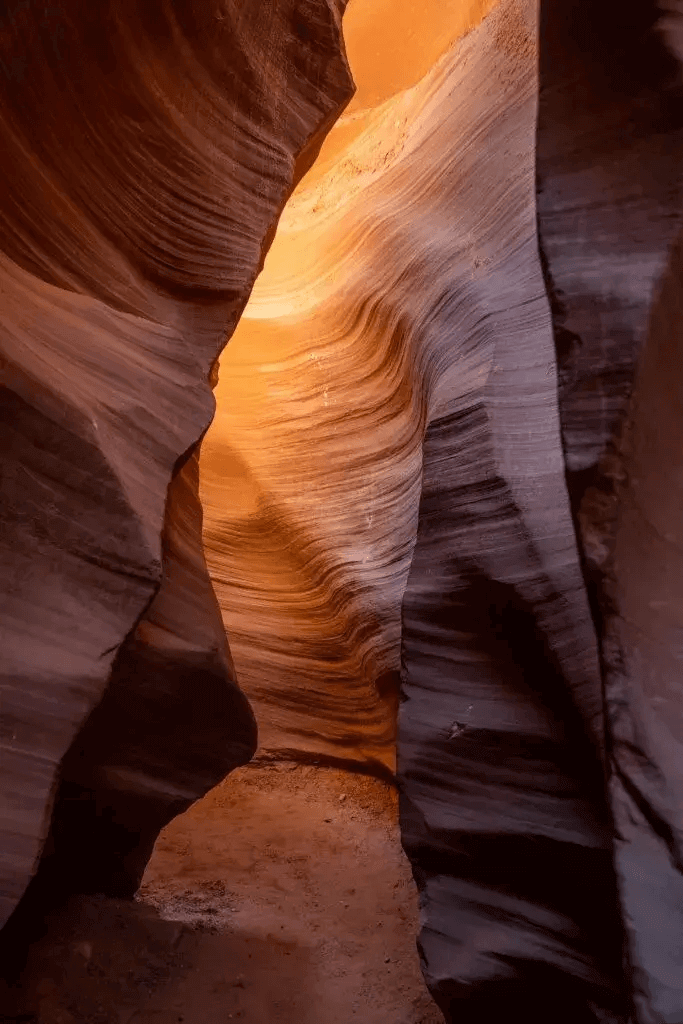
{"x":137,"y":205}
{"x":610,"y":143}
{"x":501,"y":732}
{"x":442,"y":481}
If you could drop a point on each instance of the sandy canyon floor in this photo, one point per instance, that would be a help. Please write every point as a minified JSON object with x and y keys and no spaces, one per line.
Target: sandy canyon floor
{"x":283,"y":897}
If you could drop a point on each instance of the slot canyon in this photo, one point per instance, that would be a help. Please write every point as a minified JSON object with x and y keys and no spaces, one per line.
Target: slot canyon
{"x":341,"y":480}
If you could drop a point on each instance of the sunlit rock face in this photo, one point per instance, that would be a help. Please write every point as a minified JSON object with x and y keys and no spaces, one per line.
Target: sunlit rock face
{"x":311,"y":470}
{"x":148,"y":150}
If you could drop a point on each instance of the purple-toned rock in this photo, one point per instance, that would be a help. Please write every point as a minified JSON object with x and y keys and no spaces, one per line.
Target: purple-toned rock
{"x":148,"y":151}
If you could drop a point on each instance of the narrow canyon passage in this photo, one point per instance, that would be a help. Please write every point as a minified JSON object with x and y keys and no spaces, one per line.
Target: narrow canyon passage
{"x":282,"y":897}
{"x":311,"y":469}
{"x":428,"y":545}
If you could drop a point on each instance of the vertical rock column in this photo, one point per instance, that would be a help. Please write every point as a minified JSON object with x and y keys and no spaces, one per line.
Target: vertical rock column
{"x":644,"y":663}
{"x":500,"y":751}
{"x":610,"y":202}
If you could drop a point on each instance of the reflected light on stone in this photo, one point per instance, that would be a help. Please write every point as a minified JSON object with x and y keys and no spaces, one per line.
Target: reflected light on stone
{"x":311,"y":469}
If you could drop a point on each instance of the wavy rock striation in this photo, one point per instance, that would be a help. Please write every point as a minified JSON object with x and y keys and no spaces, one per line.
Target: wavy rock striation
{"x":311,"y":470}
{"x":399,"y":414}
{"x":388,"y":419}
{"x":136,"y":208}
{"x":501,"y":727}
{"x":419,"y":415}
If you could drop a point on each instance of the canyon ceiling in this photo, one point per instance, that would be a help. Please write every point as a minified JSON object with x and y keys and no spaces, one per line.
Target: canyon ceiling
{"x":438,"y":505}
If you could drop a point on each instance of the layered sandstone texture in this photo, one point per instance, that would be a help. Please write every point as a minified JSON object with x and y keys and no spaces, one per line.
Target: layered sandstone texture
{"x":501,"y":726}
{"x":311,"y":470}
{"x":445,"y":463}
{"x":147,"y":152}
{"x":388,"y":436}
{"x":417,"y":397}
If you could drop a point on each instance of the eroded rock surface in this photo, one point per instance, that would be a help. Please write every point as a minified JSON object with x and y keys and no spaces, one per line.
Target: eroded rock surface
{"x":147,"y":153}
{"x":610,"y":208}
{"x":420,"y":415}
{"x":397,"y":356}
{"x":311,"y":470}
{"x":501,"y":728}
